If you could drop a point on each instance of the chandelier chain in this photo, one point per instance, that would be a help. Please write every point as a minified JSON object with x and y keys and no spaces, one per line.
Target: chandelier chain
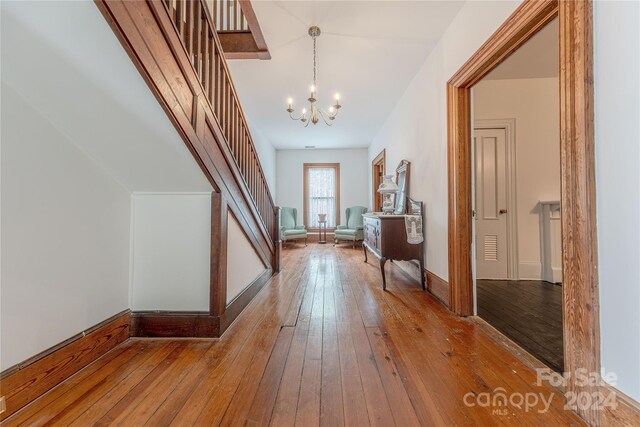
{"x":314,"y":62}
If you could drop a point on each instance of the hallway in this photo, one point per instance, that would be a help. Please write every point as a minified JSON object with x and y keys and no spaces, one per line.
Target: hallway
{"x":321,"y":344}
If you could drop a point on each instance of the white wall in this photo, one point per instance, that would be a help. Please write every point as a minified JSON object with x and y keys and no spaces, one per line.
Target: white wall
{"x":93,"y":93}
{"x":354,"y":173}
{"x":80,"y":131}
{"x":65,"y":236}
{"x":416,"y":130}
{"x":267,"y":156}
{"x":170,"y":246}
{"x":533,"y":104}
{"x":617,"y":108}
{"x":243,"y":264}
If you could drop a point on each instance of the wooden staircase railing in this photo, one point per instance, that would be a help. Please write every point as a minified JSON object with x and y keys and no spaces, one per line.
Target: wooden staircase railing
{"x":228,"y":15}
{"x":175,"y":46}
{"x":196,"y":28}
{"x":238,"y":29}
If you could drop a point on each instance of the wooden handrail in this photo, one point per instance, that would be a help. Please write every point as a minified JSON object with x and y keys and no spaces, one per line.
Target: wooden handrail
{"x":195,"y":27}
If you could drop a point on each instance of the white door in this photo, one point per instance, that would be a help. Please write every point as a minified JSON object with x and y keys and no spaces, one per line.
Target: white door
{"x":491,"y":203}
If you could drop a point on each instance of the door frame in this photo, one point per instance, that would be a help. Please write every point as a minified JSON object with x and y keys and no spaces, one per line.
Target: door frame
{"x":509,"y":126}
{"x":579,"y":241}
{"x":381,"y":157}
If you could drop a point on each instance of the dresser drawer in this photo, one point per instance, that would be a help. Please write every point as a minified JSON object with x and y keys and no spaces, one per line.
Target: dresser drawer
{"x":372,"y":233}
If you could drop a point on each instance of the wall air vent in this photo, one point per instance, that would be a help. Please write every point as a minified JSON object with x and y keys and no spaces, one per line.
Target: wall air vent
{"x":490,"y":247}
{"x":309,"y":146}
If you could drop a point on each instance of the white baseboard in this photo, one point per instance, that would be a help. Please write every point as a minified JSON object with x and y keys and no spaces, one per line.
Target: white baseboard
{"x":557,"y":274}
{"x":530,"y":270}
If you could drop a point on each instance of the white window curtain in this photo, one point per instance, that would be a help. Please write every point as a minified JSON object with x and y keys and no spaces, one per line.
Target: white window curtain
{"x":322,"y":195}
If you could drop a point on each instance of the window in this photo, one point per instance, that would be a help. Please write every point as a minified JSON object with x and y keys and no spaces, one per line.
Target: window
{"x":321,"y":193}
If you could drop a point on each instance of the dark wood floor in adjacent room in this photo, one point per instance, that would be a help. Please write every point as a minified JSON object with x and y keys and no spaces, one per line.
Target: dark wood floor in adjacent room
{"x":527,"y":311}
{"x":322,"y":344}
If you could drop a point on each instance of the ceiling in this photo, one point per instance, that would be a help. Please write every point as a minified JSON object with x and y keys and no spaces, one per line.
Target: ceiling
{"x":537,"y":58}
{"x":369,"y":51}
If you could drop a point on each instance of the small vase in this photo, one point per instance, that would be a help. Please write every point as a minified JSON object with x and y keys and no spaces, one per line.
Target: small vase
{"x":322,"y":217}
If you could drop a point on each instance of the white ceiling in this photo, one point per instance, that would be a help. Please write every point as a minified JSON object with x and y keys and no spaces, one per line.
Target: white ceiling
{"x":369,"y":51}
{"x":537,"y":58}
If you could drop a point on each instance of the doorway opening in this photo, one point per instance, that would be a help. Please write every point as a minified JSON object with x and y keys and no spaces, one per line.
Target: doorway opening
{"x":580,"y":319}
{"x":516,"y":185}
{"x":378,"y":168}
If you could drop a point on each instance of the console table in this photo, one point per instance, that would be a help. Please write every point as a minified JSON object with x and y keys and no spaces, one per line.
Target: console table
{"x":385,"y":236}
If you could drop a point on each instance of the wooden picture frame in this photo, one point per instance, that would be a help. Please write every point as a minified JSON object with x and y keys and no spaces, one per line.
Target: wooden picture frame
{"x":579,"y":243}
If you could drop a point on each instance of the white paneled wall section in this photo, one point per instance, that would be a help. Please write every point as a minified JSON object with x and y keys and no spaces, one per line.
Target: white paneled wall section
{"x":170,"y":247}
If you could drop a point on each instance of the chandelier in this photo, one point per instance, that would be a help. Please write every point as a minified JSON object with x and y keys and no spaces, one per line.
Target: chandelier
{"x":315,"y":113}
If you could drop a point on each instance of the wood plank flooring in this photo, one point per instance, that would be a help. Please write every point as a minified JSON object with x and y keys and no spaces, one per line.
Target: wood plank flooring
{"x":527,"y":311}
{"x":321,"y":344}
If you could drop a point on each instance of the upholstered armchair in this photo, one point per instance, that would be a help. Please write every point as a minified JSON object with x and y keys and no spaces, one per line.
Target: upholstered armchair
{"x":354,"y":230}
{"x":289,"y":228}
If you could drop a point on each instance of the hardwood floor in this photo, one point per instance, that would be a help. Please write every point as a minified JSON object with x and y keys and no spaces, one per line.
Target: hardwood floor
{"x":527,"y":311}
{"x":322,"y":344}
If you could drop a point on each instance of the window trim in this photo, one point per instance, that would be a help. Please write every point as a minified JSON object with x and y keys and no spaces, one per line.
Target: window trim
{"x":305,"y":180}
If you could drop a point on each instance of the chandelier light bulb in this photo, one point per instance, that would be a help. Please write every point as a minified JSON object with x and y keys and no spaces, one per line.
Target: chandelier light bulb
{"x":337,"y":97}
{"x":290,"y":101}
{"x":304,"y":111}
{"x":331,"y":109}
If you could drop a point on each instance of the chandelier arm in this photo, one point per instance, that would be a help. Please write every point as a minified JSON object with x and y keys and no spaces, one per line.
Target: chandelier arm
{"x":293,"y":118}
{"x":324,"y":119}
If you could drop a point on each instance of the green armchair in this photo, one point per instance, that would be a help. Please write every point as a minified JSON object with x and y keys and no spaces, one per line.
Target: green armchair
{"x":289,"y":228}
{"x":354,"y":230}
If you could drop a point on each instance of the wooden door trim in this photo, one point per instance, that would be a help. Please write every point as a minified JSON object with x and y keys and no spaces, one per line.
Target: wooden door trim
{"x":509,"y":126}
{"x":305,"y":191}
{"x":579,"y":244}
{"x":382,"y":156}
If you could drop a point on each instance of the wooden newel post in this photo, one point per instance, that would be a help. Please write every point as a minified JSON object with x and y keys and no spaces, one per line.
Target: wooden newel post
{"x":277,"y":253}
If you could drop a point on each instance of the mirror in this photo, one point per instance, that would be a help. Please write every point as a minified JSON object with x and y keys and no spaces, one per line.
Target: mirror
{"x":402,"y":179}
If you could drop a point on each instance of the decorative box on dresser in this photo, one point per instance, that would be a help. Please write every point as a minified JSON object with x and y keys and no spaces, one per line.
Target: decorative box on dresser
{"x":385,"y":236}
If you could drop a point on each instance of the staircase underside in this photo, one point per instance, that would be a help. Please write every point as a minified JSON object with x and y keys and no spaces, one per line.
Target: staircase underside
{"x":242,"y":45}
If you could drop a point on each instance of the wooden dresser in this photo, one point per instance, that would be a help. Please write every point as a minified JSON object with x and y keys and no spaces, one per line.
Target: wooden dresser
{"x":386,"y":237}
